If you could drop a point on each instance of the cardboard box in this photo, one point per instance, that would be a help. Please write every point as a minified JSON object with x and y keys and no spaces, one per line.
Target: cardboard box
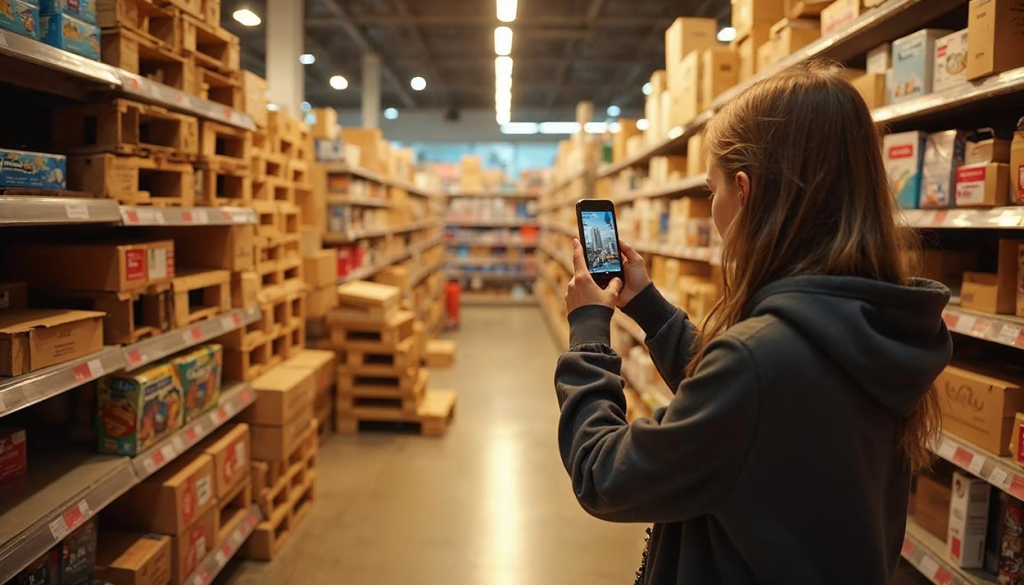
{"x":440,"y":353}
{"x":254,"y":97}
{"x":36,"y":170}
{"x":136,"y":410}
{"x":988,"y":150}
{"x":994,"y":293}
{"x":96,"y":266}
{"x":838,"y":15}
{"x":171,"y":500}
{"x":281,"y":394}
{"x":792,"y":34}
{"x":747,"y":13}
{"x":943,"y":156}
{"x":1006,"y":517}
{"x":191,"y":546}
{"x":871,"y":87}
{"x":691,"y":73}
{"x":980,"y":407}
{"x":931,"y":504}
{"x":765,"y":56}
{"x":913,"y":64}
{"x":321,"y":268}
{"x":13,"y":453}
{"x":321,"y":363}
{"x":13,"y":295}
{"x":21,"y":17}
{"x":696,"y":163}
{"x":367,"y":139}
{"x":198,"y":374}
{"x":982,"y":185}
{"x":471,"y":174}
{"x":1016,"y":179}
{"x":747,"y":48}
{"x":950,"y":61}
{"x":660,"y":81}
{"x":219,"y":247}
{"x":125,"y":558}
{"x":70,"y":34}
{"x":1016,"y":445}
{"x":229,"y":449}
{"x":245,"y":288}
{"x":326,"y":125}
{"x":652,"y":113}
{"x":879,"y":59}
{"x":627,"y":129}
{"x":995,"y":37}
{"x":968,"y":520}
{"x":78,"y":555}
{"x":273,"y":442}
{"x":685,"y":36}
{"x":80,"y":9}
{"x":903,"y":160}
{"x":31,"y":339}
{"x":319,"y":301}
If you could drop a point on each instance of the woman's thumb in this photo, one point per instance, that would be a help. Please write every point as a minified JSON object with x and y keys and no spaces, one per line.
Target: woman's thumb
{"x":615,"y":286}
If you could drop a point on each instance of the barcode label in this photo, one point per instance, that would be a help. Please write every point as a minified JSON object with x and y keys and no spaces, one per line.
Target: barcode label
{"x":76,"y":211}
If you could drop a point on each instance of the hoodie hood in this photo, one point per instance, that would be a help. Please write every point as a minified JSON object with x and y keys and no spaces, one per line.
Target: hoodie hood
{"x":891,"y":339}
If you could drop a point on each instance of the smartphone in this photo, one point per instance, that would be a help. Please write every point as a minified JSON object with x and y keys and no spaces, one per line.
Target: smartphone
{"x":599,"y":235}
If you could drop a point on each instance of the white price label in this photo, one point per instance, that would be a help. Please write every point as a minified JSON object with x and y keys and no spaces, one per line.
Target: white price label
{"x":998,"y":477}
{"x":159,"y":218}
{"x":230,"y":408}
{"x":947,"y":450}
{"x":146,"y":216}
{"x":227,"y":323}
{"x":222,"y":559}
{"x":168,"y":452}
{"x":966,"y":323}
{"x":976,"y":464}
{"x":149,"y":464}
{"x":928,"y":566}
{"x":186,"y":336}
{"x":76,"y":211}
{"x":1009,"y":334}
{"x":95,"y":368}
{"x":178,"y":444}
{"x":201,"y":216}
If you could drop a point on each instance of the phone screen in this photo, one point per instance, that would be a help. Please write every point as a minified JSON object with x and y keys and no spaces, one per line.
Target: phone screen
{"x":600,"y":243}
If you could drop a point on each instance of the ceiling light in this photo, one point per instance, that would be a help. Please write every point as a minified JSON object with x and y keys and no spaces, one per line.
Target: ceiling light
{"x":559,"y":127}
{"x":503,"y":67}
{"x":246,"y":17}
{"x":507,"y":10}
{"x":642,"y":124}
{"x":310,"y":118}
{"x":595,"y":127}
{"x":727,"y":35}
{"x":519,"y":128}
{"x":273,"y":107}
{"x":307,"y":59}
{"x":615,"y":127}
{"x":502,"y":40}
{"x":391,"y":114}
{"x":614,"y":111}
{"x":502,"y":84}
{"x":647,"y":88}
{"x":503,"y":118}
{"x":418,"y":83}
{"x":305,"y":106}
{"x":339,"y":82}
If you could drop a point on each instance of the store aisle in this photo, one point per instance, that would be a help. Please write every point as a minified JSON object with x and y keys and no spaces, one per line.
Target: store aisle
{"x":488,"y":504}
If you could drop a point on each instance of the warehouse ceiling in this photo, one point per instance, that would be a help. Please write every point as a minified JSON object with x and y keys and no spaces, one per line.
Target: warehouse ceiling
{"x":564,"y":50}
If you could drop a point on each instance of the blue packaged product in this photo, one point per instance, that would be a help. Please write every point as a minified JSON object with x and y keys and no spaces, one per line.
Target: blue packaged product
{"x":80,"y":9}
{"x":70,"y":34}
{"x":19,"y":168}
{"x":20,"y":17}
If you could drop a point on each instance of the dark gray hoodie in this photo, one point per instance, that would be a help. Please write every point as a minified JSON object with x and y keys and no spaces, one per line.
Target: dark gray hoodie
{"x":778,"y":461}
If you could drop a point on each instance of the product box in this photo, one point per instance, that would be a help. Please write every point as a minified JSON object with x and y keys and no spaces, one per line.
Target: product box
{"x":190,"y":546}
{"x":229,"y":448}
{"x":96,"y":266}
{"x":746,"y":13}
{"x":879,"y":59}
{"x":20,"y":17}
{"x":1016,"y":180}
{"x":685,"y":36}
{"x":792,"y":34}
{"x":765,"y":56}
{"x":987,"y":150}
{"x":215,"y":247}
{"x":943,"y":155}
{"x":319,"y":301}
{"x":326,"y":125}
{"x":13,"y":454}
{"x":980,"y":407}
{"x":331,"y":150}
{"x":136,"y":410}
{"x":70,"y":34}
{"x":13,"y":295}
{"x":321,"y":269}
{"x":80,"y":9}
{"x":277,"y":442}
{"x":281,"y":394}
{"x":931,"y":504}
{"x":968,"y":521}
{"x":903,"y":160}
{"x":320,"y":362}
{"x":695,"y":162}
{"x":1004,"y":545}
{"x":747,"y":48}
{"x":913,"y":64}
{"x":871,"y":87}
{"x":254,"y":97}
{"x":994,"y":293}
{"x":172,"y":499}
{"x":995,"y":41}
{"x":950,"y":61}
{"x":125,"y":558}
{"x":36,"y":170}
{"x":198,"y":375}
{"x":45,"y":570}
{"x":982,"y":185}
{"x":31,"y":339}
{"x":78,"y":555}
{"x":839,"y":14}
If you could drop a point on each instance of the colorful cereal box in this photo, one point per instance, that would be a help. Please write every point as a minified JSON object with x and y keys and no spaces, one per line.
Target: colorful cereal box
{"x":21,"y":168}
{"x":199,"y":375}
{"x":80,"y":9}
{"x":136,"y":410}
{"x":20,"y":17}
{"x":72,"y":35}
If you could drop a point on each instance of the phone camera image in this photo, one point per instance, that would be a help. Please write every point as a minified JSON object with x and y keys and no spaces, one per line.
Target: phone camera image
{"x":601,"y":246}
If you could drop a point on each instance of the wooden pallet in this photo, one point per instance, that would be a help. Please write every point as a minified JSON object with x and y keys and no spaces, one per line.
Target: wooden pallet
{"x":127,"y":128}
{"x":366,"y":396}
{"x":245,"y":338}
{"x":223,"y":183}
{"x":261,"y":141}
{"x":233,"y":508}
{"x":226,"y":146}
{"x":370,"y":357}
{"x":298,"y":171}
{"x":280,"y":190}
{"x":325,"y":419}
{"x":269,"y":253}
{"x":219,"y":87}
{"x":297,"y":339}
{"x":157,"y":24}
{"x":200,"y":294}
{"x":276,"y":315}
{"x":210,"y":45}
{"x":297,"y":311}
{"x":375,"y":382}
{"x":193,"y":7}
{"x":138,"y":54}
{"x":431,"y":419}
{"x":270,"y":536}
{"x":396,"y":328}
{"x":248,"y":364}
{"x":267,"y":217}
{"x":281,"y":346}
{"x":133,"y":180}
{"x":130,"y":315}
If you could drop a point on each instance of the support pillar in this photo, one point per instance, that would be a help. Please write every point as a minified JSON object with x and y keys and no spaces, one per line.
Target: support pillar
{"x":285,"y":42}
{"x":371,"y":90}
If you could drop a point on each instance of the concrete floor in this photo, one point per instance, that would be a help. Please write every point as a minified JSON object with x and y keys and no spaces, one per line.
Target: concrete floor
{"x":488,"y":504}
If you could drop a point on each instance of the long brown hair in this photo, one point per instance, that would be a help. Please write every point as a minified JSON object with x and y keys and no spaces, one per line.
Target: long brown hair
{"x":820,"y":203}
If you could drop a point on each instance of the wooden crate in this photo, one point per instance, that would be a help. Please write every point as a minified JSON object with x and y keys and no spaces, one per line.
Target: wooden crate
{"x":281,"y":191}
{"x":288,"y":220}
{"x":211,"y":11}
{"x":200,"y":294}
{"x":125,"y":127}
{"x":245,"y":338}
{"x":395,"y":329}
{"x":226,"y":146}
{"x":297,"y":339}
{"x":210,"y":45}
{"x":379,"y":382}
{"x":130,"y":315}
{"x":370,"y":396}
{"x":276,"y":315}
{"x":269,"y":253}
{"x":249,"y":364}
{"x":218,"y":87}
{"x":270,"y":536}
{"x":267,"y":224}
{"x":298,"y":172}
{"x":440,"y":353}
{"x":292,"y":244}
{"x":369,"y":357}
{"x":291,"y":275}
{"x":281,"y":346}
{"x":297,"y":310}
{"x":431,"y":419}
{"x":133,"y":180}
{"x":193,"y":7}
{"x":157,"y":24}
{"x":223,"y":183}
{"x":124,"y":48}
{"x":271,"y":284}
{"x":233,"y":508}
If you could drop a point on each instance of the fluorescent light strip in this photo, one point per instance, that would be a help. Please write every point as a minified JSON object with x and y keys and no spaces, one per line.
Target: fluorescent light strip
{"x":503,"y":41}
{"x":506,"y":10}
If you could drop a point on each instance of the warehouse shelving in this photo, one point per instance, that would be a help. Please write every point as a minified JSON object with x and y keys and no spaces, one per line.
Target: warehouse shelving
{"x":37,"y":211}
{"x":490,"y":223}
{"x":68,"y":487}
{"x":484,"y":300}
{"x":358,"y":201}
{"x":366,"y":234}
{"x":928,"y":555}
{"x":687,"y":186}
{"x":966,"y":218}
{"x":564,"y":260}
{"x":160,"y":346}
{"x":367,"y":174}
{"x":1001,"y":472}
{"x":422,"y":309}
{"x":567,"y":230}
{"x":485,"y":243}
{"x":1003,"y":329}
{"x":508,"y":195}
{"x":217,"y":559}
{"x":675,"y":143}
{"x":368,"y":271}
{"x":491,"y":276}
{"x":698,"y":253}
{"x":488,"y":261}
{"x":186,"y":216}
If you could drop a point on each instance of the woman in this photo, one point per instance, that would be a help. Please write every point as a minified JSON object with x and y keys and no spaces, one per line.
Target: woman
{"x":805,"y":402}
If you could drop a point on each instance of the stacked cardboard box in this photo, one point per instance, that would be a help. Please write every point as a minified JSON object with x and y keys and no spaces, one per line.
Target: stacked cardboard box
{"x":322,"y":364}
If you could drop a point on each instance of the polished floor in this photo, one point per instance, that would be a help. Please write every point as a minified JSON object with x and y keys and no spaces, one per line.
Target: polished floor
{"x":488,"y":504}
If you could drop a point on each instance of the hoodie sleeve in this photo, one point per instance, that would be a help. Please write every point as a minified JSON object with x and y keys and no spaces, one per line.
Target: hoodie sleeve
{"x":670,"y":333}
{"x":677,"y":465}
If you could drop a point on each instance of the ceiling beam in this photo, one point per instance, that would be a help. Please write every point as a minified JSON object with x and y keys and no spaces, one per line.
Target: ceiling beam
{"x":462,"y":20}
{"x":414,"y":32}
{"x":572,"y":50}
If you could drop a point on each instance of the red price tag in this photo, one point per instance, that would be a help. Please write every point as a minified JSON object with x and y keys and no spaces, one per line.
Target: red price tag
{"x":196,"y":334}
{"x":237,"y":319}
{"x":134,"y":357}
{"x":1016,"y":487}
{"x":180,"y":98}
{"x":82,"y":373}
{"x":942,"y":576}
{"x":131,"y":217}
{"x":940,"y":217}
{"x":908,"y":547}
{"x":73,"y":517}
{"x":225,"y":216}
{"x":190,"y":435}
{"x":222,"y":413}
{"x":951,"y":320}
{"x":251,"y":521}
{"x":205,"y":576}
{"x":246,"y":394}
{"x":158,"y":458}
{"x":980,"y":328}
{"x":227,"y":549}
{"x":1020,"y":339}
{"x":186,"y":216}
{"x":963,"y":457}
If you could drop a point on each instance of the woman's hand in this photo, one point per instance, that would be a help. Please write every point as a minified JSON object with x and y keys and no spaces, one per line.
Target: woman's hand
{"x":636,"y":274}
{"x":583,"y":290}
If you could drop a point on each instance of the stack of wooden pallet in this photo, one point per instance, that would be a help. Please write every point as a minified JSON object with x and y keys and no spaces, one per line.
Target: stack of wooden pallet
{"x":381,"y":380}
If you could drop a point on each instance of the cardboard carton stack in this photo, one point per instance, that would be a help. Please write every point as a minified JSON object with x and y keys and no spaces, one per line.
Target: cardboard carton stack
{"x":381,"y":380}
{"x":322,"y":364}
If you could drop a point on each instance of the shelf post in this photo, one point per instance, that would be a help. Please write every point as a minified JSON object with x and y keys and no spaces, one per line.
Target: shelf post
{"x":285,"y":41}
{"x":371,"y":90}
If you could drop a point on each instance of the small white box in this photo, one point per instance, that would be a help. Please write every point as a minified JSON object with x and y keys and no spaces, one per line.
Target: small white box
{"x":950,"y":61}
{"x":968,"y":521}
{"x":880,"y":59}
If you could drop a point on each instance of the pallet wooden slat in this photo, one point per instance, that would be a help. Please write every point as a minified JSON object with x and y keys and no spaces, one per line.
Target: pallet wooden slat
{"x":210,"y":45}
{"x":133,"y":180}
{"x":157,"y":24}
{"x":125,"y":127}
{"x":200,"y":294}
{"x":135,"y":53}
{"x":219,"y":87}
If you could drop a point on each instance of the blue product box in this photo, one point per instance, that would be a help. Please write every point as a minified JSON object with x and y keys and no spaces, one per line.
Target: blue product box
{"x":913,"y":64}
{"x":21,"y":17}
{"x":70,"y":34}
{"x":80,"y":9}
{"x":903,"y":156}
{"x":19,"y":168}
